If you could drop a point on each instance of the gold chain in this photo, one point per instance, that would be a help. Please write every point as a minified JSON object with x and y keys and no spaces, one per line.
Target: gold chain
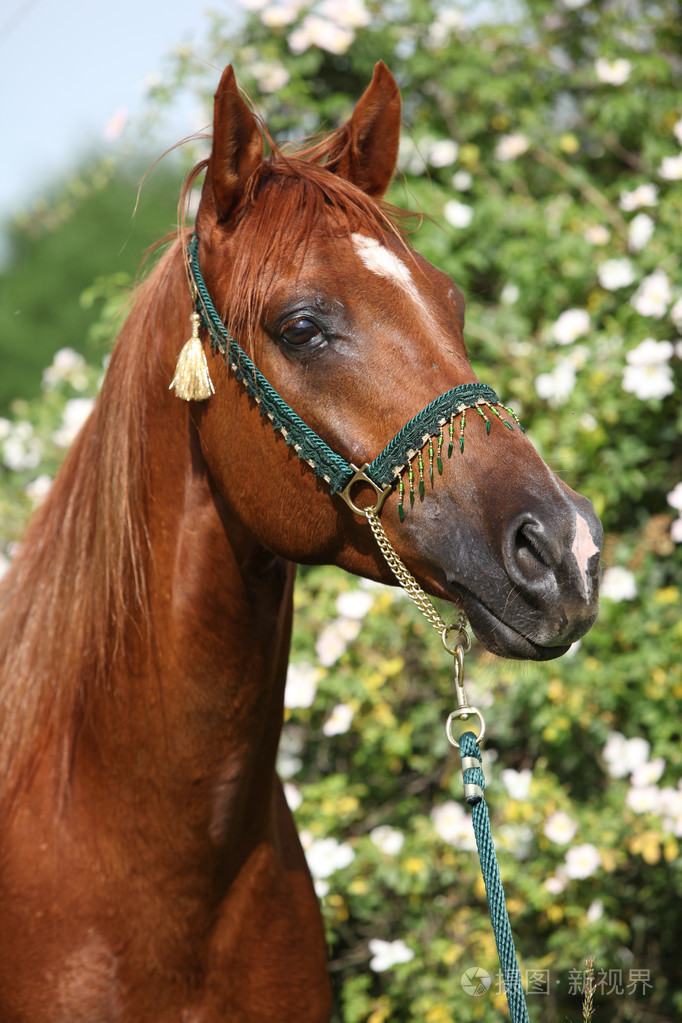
{"x":416,"y":593}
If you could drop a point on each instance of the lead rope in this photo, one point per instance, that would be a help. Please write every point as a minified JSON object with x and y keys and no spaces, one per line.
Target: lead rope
{"x":472,"y":771}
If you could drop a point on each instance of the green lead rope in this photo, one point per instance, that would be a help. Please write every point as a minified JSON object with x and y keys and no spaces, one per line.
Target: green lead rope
{"x":474,"y":786}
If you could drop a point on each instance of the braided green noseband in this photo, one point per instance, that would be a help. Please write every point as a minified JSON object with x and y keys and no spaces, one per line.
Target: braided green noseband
{"x":388,"y":468}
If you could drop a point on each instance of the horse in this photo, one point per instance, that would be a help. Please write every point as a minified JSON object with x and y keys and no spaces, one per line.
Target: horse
{"x":150,"y":868}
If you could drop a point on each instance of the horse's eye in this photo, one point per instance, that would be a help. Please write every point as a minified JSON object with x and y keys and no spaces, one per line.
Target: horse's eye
{"x":300,"y":331}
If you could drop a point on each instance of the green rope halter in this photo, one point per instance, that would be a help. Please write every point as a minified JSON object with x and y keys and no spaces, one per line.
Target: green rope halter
{"x":339,"y":474}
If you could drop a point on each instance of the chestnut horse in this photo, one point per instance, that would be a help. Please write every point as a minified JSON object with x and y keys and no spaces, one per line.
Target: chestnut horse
{"x":150,"y":870}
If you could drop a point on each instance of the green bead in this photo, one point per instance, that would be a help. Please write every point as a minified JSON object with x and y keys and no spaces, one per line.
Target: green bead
{"x":439,"y":463}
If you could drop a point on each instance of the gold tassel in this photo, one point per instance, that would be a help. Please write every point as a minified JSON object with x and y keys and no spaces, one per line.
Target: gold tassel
{"x":192,"y":381}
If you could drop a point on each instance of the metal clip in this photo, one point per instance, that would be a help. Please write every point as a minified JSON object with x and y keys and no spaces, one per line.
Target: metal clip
{"x":464,"y":711}
{"x":362,"y":477}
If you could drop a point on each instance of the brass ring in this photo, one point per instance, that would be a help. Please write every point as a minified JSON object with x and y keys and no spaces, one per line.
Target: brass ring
{"x":463,"y":639}
{"x":464,"y":712}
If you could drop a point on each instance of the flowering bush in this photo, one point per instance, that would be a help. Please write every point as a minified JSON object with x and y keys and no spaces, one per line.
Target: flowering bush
{"x":546,"y":152}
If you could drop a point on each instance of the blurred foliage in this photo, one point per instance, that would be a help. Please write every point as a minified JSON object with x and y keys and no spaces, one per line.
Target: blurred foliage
{"x":557,"y":211}
{"x":88,"y":225}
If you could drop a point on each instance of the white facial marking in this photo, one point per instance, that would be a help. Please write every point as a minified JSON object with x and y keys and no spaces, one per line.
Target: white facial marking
{"x":582,"y":549}
{"x":385,"y":263}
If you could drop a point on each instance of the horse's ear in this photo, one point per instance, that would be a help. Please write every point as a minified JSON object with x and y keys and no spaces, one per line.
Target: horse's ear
{"x":367,"y":152}
{"x":237,"y":147}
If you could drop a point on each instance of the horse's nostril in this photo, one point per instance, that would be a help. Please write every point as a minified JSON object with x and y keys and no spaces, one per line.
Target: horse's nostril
{"x":531,"y":555}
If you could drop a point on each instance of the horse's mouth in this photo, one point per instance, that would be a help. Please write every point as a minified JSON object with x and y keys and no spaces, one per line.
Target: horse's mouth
{"x":500,"y":637}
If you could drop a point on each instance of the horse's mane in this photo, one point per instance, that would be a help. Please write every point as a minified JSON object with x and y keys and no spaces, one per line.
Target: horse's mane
{"x":78,"y":581}
{"x":76,"y":595}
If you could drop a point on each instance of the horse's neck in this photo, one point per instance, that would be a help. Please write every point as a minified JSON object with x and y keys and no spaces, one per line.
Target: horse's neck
{"x":192,"y":720}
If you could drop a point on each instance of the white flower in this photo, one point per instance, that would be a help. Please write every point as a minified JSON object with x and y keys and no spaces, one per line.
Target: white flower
{"x":301,"y":685}
{"x":510,"y":294}
{"x":271,"y":77}
{"x":674,"y":498}
{"x":37,"y":490}
{"x":67,"y":365}
{"x":560,"y":828}
{"x":334,"y":638}
{"x":676,"y":316}
{"x":76,"y":411}
{"x":21,"y":449}
{"x":325,"y":856}
{"x":671,"y":168}
{"x":677,"y":130}
{"x":442,"y":28}
{"x":653,"y":296}
{"x":648,"y":374}
{"x":643,"y":195}
{"x":572,"y":324}
{"x":555,"y":883}
{"x":458,"y":213}
{"x":280,"y":15}
{"x":582,"y":861}
{"x":517,"y":783}
{"x":354,"y":603}
{"x":642,"y":799}
{"x":623,"y":756}
{"x":454,"y":825}
{"x":616,"y":273}
{"x":320,"y":32}
{"x":387,"y":839}
{"x":597,"y":234}
{"x":339,"y":721}
{"x":650,"y":353}
{"x":618,"y":584}
{"x":670,"y":809}
{"x":648,"y":774}
{"x":516,"y":839}
{"x":595,"y":911}
{"x":676,"y":531}
{"x":557,"y":385}
{"x":387,"y":954}
{"x":293,"y":796}
{"x":462,"y":180}
{"x":511,"y":146}
{"x":613,"y":72}
{"x":640,"y":232}
{"x":346,"y":13}
{"x":443,"y":153}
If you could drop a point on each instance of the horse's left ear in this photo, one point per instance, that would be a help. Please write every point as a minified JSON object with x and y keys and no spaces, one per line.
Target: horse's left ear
{"x":237,"y":147}
{"x":367,"y":152}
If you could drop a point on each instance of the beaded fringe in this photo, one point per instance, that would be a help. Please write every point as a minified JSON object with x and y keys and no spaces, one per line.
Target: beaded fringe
{"x":437,"y":454}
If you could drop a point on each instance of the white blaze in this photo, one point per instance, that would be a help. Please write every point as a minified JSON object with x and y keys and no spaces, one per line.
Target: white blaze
{"x":385,"y":263}
{"x":582,"y":549}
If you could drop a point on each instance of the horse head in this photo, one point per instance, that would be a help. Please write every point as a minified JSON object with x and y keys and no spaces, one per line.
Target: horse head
{"x":358,"y":333}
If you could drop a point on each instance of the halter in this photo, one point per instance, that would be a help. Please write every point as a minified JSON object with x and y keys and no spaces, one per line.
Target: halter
{"x":388,"y":468}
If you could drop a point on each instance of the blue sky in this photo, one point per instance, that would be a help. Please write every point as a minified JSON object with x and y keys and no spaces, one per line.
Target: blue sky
{"x":67,"y":66}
